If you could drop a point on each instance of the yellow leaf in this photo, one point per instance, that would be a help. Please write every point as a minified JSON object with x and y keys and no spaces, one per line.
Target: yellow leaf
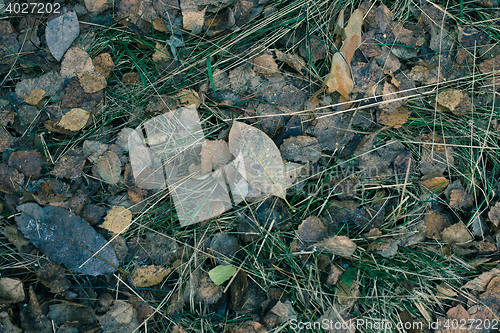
{"x":148,"y":276}
{"x":118,"y":219}
{"x":74,"y":120}
{"x":188,"y":97}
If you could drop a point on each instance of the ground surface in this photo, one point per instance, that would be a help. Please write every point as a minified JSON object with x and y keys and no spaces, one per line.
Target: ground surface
{"x":359,"y":142}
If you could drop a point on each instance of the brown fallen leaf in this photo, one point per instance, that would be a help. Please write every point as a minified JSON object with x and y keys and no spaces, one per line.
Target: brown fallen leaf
{"x":34,"y":97}
{"x":188,"y":97}
{"x":338,"y":245}
{"x":109,"y":167}
{"x":69,"y":167}
{"x":214,"y":154}
{"x":92,"y":82}
{"x":52,"y":276}
{"x":131,"y":78}
{"x":265,"y":65}
{"x":29,"y":162}
{"x":121,"y":317}
{"x":118,"y":220}
{"x":11,"y":290}
{"x":193,"y":20}
{"x":393,"y":117}
{"x":435,"y":184}
{"x":161,"y":54}
{"x":450,"y":98}
{"x":457,"y":233}
{"x":10,"y":179}
{"x":310,"y":231}
{"x":76,"y":61}
{"x":148,"y":276}
{"x":479,"y":283}
{"x":435,"y":223}
{"x":291,"y":60}
{"x":97,"y":6}
{"x":6,"y":139}
{"x":339,"y":79}
{"x":103,"y":64}
{"x":74,"y":120}
{"x":494,"y":214}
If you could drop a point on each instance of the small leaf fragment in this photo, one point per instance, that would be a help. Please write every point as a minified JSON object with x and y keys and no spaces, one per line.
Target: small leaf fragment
{"x":221,"y":273}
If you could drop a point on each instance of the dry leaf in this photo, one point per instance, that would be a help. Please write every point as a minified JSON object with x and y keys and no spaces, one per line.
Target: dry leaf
{"x":435,"y":184}
{"x":265,"y":65}
{"x":29,"y":162}
{"x":10,"y":179}
{"x":118,"y":220}
{"x":494,"y":214}
{"x":97,"y":6}
{"x":61,"y":31}
{"x":193,"y":20}
{"x":92,"y":82}
{"x":74,"y":120}
{"x":11,"y":291}
{"x":69,"y":167}
{"x":479,"y":283}
{"x":104,"y":64}
{"x":148,"y":276}
{"x":435,"y":223}
{"x":291,"y":60}
{"x":76,"y":61}
{"x":131,"y":78}
{"x":261,"y":158}
{"x":188,"y":97}
{"x":338,"y":245}
{"x":339,"y":78}
{"x":93,"y":150}
{"x":457,"y":234}
{"x":34,"y":97}
{"x":66,"y":238}
{"x":450,"y":98}
{"x":121,"y":317}
{"x":396,"y":117}
{"x":161,"y":53}
{"x":109,"y":167}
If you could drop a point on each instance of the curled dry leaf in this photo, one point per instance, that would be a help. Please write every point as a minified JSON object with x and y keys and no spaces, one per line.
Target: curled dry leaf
{"x":109,"y":167}
{"x":61,"y":31}
{"x":66,"y":239}
{"x":148,"y":276}
{"x":118,"y":220}
{"x":74,"y":120}
{"x":339,"y":78}
{"x":76,"y":61}
{"x":338,"y":245}
{"x":262,"y":161}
